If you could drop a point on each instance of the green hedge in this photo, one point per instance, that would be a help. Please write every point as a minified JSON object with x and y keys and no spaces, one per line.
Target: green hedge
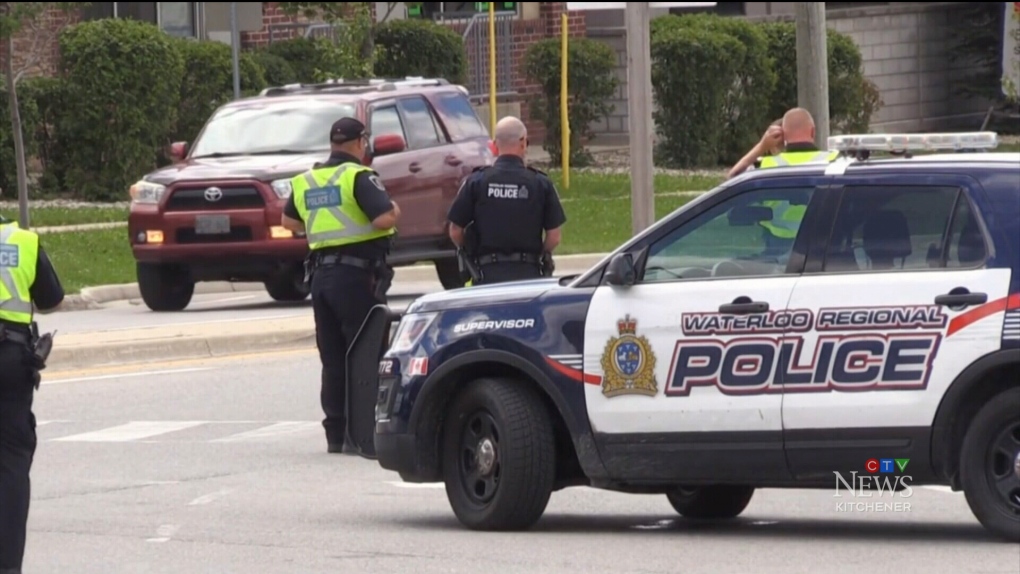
{"x":747,"y":104}
{"x":29,"y":124}
{"x":591,"y":82}
{"x":208,"y":83}
{"x":419,"y":48}
{"x":853,"y":99}
{"x":301,"y":54}
{"x":125,"y":80}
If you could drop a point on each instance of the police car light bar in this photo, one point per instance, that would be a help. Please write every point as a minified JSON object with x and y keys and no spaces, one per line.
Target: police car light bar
{"x":902,"y":142}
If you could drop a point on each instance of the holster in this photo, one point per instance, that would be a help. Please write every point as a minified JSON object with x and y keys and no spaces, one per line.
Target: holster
{"x":38,"y":347}
{"x":548,"y":265}
{"x":469,"y":265}
{"x":383,"y":280}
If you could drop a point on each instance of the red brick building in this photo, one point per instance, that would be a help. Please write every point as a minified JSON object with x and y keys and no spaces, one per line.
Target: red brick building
{"x":518,"y":25}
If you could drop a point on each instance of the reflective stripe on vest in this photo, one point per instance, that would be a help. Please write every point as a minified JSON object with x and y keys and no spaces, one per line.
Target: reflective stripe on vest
{"x":797,"y":158}
{"x":786,"y":218}
{"x":339,"y":220}
{"x":19,"y":251}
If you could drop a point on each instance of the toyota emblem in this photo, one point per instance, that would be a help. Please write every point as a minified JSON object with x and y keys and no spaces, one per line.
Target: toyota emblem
{"x":213,"y":194}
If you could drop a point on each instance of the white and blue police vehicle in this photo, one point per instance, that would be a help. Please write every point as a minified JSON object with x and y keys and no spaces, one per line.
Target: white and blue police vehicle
{"x":875,"y":343}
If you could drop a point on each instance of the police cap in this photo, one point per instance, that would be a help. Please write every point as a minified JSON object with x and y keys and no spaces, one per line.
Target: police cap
{"x":345,"y":130}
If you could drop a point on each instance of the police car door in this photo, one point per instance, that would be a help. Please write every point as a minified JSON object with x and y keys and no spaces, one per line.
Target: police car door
{"x":686,"y":356}
{"x":903,"y":298}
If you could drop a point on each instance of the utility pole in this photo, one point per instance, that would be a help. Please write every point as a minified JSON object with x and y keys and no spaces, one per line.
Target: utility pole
{"x":235,"y":49}
{"x":639,"y":114}
{"x":813,"y":66}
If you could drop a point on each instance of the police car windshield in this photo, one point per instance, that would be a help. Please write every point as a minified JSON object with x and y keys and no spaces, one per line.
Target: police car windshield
{"x":271,"y":127}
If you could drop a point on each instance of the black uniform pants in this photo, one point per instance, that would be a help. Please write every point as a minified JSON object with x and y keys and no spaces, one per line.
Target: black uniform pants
{"x":342,"y":296}
{"x":503,"y":272}
{"x":17,"y":449}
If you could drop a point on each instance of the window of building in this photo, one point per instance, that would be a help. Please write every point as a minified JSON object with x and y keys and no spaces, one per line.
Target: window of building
{"x":435,"y":10}
{"x":175,"y":18}
{"x":722,"y":8}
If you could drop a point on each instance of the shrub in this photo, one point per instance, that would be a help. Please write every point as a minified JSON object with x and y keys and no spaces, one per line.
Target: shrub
{"x":124,"y":83}
{"x":278,"y":72}
{"x":693,"y":73}
{"x":419,"y":48}
{"x":208,"y":83}
{"x":852,"y":98}
{"x":747,"y":106}
{"x":302,"y":55}
{"x":29,"y":123}
{"x":591,"y":82}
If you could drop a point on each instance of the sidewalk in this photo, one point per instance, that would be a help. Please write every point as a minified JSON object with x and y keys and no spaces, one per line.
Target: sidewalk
{"x":87,"y":349}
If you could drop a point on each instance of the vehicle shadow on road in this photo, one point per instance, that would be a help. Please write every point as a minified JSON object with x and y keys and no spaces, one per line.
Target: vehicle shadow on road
{"x":762,"y":527}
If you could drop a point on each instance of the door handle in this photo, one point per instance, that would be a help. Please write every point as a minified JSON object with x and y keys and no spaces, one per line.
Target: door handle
{"x":414,"y":167}
{"x":961,"y":297}
{"x":453,"y":160}
{"x":744,"y":306}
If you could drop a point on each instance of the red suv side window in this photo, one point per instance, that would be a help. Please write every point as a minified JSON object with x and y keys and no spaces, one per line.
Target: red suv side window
{"x":460,"y":117}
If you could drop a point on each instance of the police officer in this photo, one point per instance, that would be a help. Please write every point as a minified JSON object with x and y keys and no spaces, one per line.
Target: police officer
{"x":26,"y":278}
{"x":349,"y":220}
{"x":500,"y":213}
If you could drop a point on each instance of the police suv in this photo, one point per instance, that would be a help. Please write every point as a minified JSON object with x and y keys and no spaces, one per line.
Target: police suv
{"x":878,"y":344}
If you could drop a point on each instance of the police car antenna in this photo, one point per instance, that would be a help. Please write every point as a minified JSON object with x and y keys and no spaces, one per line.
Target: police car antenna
{"x":860,"y":146}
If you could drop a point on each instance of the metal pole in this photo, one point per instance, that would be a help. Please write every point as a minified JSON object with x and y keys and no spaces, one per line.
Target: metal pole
{"x":492,"y":68}
{"x":813,"y":66}
{"x":639,"y":113}
{"x":564,"y":99}
{"x":235,"y":49}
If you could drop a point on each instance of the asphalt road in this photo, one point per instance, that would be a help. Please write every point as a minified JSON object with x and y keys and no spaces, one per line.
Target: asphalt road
{"x":220,"y":467}
{"x":204,"y":309}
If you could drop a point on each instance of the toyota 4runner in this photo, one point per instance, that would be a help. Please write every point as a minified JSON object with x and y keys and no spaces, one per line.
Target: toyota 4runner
{"x":876,"y":352}
{"x":214,"y":214}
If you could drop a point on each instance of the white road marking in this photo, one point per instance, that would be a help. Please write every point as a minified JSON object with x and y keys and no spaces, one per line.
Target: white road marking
{"x":273,"y":430}
{"x":127,"y":375}
{"x":201,"y":500}
{"x":415,"y":485}
{"x":940,"y":488}
{"x":224,"y":300}
{"x":44,"y":423}
{"x":165,"y":533}
{"x":131,"y":431}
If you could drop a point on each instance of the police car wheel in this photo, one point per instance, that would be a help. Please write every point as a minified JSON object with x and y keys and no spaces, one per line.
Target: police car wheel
{"x":499,"y":455}
{"x":990,"y":465}
{"x":717,"y":501}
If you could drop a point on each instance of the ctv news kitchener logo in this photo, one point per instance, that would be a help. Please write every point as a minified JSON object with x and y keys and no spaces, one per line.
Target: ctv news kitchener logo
{"x":883,"y":479}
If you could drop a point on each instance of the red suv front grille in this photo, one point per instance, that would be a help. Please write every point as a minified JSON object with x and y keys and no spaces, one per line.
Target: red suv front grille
{"x":243,"y":196}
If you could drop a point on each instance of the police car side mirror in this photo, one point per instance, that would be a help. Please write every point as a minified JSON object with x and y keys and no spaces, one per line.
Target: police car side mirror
{"x":749,"y":215}
{"x":620,"y":272}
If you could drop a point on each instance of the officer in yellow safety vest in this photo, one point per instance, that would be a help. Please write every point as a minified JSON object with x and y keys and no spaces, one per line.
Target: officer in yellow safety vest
{"x":27,"y":282}
{"x":349,"y":220}
{"x":798,"y":131}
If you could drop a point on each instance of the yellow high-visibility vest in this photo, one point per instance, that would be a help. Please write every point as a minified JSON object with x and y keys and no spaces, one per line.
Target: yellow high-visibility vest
{"x":325,"y":200}
{"x":19,"y":253}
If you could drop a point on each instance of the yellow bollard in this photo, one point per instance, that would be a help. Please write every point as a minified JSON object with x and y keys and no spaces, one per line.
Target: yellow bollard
{"x":564,"y":115}
{"x":492,"y":68}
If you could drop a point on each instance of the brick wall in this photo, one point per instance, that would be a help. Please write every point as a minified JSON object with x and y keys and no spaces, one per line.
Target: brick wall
{"x":36,"y":45}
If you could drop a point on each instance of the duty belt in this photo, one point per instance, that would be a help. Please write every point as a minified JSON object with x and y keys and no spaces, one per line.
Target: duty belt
{"x":509,"y":258}
{"x":334,"y":259}
{"x":7,"y":334}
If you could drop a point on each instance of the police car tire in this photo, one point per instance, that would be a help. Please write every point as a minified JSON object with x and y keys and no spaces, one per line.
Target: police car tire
{"x":982,"y":498}
{"x":526,"y":452}
{"x":711,"y":502}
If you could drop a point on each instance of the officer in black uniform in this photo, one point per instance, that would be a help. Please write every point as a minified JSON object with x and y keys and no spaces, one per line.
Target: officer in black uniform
{"x":22,"y":355}
{"x":500,"y":213}
{"x":349,"y":220}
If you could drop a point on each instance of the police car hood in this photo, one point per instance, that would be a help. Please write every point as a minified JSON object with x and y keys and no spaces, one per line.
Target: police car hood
{"x":263,"y":167}
{"x":484,"y":295}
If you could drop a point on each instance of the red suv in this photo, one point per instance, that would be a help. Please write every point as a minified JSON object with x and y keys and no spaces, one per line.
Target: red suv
{"x":214,"y":215}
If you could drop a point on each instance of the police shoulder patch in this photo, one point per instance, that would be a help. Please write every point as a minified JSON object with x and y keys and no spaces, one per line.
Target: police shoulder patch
{"x":376,"y":181}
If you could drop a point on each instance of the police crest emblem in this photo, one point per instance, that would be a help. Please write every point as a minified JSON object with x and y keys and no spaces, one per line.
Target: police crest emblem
{"x":628,"y":363}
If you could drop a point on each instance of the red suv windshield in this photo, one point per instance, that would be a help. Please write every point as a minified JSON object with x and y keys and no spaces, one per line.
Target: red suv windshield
{"x":270,"y":127}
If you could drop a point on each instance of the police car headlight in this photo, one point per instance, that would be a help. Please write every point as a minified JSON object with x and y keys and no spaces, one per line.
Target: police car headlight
{"x":410,"y":331}
{"x":146,"y":192}
{"x":281,"y":188}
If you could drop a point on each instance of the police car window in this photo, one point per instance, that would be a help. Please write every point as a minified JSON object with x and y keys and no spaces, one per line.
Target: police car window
{"x":460,"y":117}
{"x":748,"y":235}
{"x":966,"y":247}
{"x":386,"y":121}
{"x":422,"y":130}
{"x":889,"y":228}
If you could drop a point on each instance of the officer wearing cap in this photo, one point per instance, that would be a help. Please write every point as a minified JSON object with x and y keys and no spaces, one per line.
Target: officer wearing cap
{"x":349,"y":220}
{"x":506,"y":218}
{"x":27,"y":282}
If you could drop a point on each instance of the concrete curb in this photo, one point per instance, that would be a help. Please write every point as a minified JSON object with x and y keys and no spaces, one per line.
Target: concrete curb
{"x":92,"y":298}
{"x":84,"y":357}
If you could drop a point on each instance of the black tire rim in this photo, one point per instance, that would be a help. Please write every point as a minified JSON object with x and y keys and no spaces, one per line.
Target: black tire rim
{"x":480,"y":462}
{"x":1003,"y":467}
